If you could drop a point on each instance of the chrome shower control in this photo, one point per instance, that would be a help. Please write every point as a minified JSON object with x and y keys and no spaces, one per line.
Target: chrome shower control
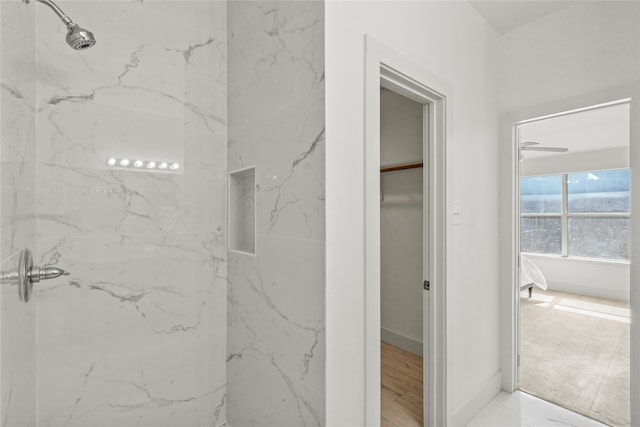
{"x":45,"y":273}
{"x":26,"y":275}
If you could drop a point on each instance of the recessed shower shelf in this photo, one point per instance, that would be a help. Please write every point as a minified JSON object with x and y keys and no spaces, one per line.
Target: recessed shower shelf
{"x":242,"y":211}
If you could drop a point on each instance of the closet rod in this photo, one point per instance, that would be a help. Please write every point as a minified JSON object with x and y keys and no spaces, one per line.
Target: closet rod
{"x":401,"y":167}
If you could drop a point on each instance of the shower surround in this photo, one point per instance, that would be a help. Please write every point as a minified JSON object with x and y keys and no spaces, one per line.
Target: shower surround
{"x":17,"y":205}
{"x":136,"y":335}
{"x":276,"y":334}
{"x":151,"y":329}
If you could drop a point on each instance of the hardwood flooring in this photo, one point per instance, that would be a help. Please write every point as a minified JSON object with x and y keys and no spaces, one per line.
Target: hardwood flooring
{"x":401,"y":387}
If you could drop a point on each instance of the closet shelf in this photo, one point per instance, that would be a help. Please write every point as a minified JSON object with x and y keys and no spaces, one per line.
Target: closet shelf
{"x":401,"y":167}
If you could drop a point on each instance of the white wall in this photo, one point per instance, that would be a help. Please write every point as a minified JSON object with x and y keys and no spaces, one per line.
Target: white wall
{"x":583,"y":55}
{"x":606,"y":279}
{"x":452,"y":41}
{"x":579,"y":49}
{"x":401,"y":253}
{"x":612,"y":158}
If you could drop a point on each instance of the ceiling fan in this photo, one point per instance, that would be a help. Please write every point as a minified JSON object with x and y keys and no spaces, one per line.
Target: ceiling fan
{"x":535,"y":146}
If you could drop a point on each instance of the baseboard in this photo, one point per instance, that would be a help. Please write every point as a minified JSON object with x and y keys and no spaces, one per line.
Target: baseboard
{"x":580,"y":289}
{"x":478,"y":401}
{"x":402,"y":341}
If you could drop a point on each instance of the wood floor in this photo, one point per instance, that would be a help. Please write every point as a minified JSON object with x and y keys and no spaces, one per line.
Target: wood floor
{"x":401,"y":388}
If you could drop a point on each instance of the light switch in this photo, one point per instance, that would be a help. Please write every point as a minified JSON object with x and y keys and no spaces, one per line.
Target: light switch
{"x":457,"y":215}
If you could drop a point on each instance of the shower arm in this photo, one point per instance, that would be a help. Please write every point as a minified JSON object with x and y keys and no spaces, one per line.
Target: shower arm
{"x":77,"y":37}
{"x":63,"y":16}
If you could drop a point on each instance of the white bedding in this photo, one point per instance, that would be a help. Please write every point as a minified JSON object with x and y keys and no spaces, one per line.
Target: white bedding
{"x":531,"y":274}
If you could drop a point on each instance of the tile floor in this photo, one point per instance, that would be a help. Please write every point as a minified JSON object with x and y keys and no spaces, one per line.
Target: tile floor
{"x":575,"y":353}
{"x":520,"y":409}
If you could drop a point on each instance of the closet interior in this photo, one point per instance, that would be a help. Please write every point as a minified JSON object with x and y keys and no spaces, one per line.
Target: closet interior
{"x":402,"y":255}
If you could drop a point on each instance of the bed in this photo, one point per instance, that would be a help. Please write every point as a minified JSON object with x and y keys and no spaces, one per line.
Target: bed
{"x":530,"y":275}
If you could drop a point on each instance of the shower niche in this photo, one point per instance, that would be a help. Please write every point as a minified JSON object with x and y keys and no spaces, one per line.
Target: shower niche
{"x":242,"y":210}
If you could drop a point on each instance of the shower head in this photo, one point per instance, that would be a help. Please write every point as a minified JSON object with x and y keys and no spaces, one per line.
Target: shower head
{"x":77,"y":37}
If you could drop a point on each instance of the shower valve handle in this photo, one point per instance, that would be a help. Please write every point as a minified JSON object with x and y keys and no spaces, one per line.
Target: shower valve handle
{"x":45,"y":273}
{"x":27,"y":274}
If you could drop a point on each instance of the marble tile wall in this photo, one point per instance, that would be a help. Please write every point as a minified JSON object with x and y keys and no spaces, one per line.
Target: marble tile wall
{"x":136,"y":335}
{"x":17,"y":207}
{"x":276,"y":333}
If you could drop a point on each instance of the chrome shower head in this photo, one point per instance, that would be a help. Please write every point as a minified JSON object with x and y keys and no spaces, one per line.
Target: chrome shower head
{"x":79,"y":38}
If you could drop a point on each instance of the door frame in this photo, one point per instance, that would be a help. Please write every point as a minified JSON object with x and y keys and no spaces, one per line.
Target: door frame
{"x":385,"y":67}
{"x":510,"y":205}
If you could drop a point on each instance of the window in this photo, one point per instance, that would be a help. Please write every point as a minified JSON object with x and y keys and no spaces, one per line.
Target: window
{"x":541,"y":220}
{"x":578,"y":214}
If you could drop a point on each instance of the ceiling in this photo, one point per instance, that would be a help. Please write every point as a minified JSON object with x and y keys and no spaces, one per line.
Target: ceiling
{"x":598,"y":129}
{"x":507,"y":15}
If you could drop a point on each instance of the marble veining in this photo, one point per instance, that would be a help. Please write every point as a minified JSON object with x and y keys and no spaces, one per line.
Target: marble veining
{"x":18,"y":168}
{"x":290,"y":178}
{"x":283,"y":201}
{"x":136,"y":335}
{"x":17,"y":205}
{"x":276,"y":333}
{"x":145,"y":339}
{"x":278,"y":48}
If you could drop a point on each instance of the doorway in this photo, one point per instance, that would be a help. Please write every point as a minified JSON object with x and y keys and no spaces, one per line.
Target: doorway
{"x":385,"y":67}
{"x":574,"y":232}
{"x":402,"y":258}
